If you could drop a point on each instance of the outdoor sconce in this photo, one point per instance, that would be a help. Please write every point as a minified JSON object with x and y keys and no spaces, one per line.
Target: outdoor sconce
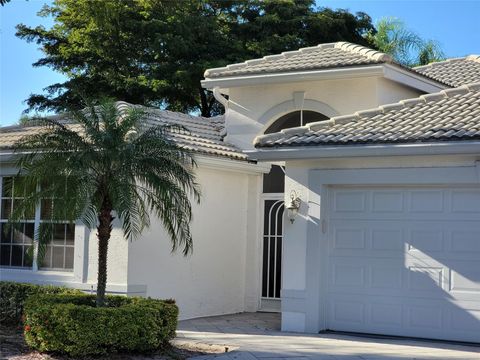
{"x":293,"y":206}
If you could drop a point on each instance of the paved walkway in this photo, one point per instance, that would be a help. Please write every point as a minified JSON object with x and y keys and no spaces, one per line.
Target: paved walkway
{"x":253,"y":336}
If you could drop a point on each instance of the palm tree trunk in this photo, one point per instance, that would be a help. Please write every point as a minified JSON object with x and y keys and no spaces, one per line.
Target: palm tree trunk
{"x":104,"y":229}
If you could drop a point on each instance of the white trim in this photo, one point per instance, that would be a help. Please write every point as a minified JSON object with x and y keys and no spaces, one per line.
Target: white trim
{"x":36,"y":240}
{"x":242,"y":166}
{"x":317,"y":152}
{"x":265,"y":303}
{"x":314,"y":304}
{"x":80,"y":261}
{"x":274,"y":113}
{"x":212,"y":162}
{"x":296,"y":76}
{"x":411,"y":79}
{"x":388,"y":71}
{"x":80,"y":252}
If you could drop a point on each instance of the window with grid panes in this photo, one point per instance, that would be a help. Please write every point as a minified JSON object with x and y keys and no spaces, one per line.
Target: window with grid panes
{"x":16,"y":242}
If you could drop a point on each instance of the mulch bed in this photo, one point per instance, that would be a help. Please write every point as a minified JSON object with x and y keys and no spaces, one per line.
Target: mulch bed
{"x":13,"y":347}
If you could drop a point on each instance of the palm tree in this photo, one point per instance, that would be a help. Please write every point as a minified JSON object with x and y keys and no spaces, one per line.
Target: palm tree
{"x":405,"y":46}
{"x":105,"y":163}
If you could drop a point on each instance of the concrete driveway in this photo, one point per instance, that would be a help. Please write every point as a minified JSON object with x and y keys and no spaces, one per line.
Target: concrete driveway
{"x":254,"y":336}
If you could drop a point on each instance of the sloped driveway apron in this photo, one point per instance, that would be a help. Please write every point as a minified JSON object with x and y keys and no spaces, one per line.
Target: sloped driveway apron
{"x":256,"y":336}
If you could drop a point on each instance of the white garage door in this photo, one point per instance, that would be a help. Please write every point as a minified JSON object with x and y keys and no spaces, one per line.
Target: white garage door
{"x":405,"y":261}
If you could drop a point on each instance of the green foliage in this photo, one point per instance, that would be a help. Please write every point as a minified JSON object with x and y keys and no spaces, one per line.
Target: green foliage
{"x":107,"y":160}
{"x":71,"y":324}
{"x":407,"y":47}
{"x":154,"y":52}
{"x":13,"y":296}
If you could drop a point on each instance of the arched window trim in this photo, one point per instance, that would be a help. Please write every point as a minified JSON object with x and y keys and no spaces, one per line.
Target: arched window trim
{"x":294,"y":119}
{"x":279,"y":110}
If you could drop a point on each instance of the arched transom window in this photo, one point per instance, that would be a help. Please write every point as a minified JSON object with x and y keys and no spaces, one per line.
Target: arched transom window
{"x":294,"y":119}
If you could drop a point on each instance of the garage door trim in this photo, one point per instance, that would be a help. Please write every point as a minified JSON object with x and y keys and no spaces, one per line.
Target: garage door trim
{"x":317,"y":240}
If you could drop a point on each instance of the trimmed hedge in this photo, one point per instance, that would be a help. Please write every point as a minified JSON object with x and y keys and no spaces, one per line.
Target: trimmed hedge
{"x":71,"y":324}
{"x":13,"y":296}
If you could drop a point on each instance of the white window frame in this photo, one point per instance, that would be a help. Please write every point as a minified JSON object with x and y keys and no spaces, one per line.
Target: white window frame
{"x":34,"y":274}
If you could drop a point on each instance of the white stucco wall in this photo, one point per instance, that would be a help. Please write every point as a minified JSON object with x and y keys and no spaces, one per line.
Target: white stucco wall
{"x":253,"y":108}
{"x":117,"y":260}
{"x":302,"y":282}
{"x":222,"y":274}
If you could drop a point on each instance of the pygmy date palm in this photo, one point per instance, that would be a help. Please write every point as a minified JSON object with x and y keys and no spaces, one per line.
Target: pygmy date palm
{"x":104,"y":163}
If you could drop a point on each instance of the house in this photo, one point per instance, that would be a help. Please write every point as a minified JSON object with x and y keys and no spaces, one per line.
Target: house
{"x":379,"y":167}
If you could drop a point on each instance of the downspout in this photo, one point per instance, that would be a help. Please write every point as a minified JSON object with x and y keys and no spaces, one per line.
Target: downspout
{"x":220,"y":98}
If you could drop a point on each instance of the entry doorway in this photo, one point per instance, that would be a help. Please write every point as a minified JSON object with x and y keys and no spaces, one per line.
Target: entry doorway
{"x":272,"y":236}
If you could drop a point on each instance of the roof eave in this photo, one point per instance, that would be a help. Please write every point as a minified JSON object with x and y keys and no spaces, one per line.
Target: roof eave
{"x":293,"y":76}
{"x":364,"y":150}
{"x":412,"y":79}
{"x":389,"y":71}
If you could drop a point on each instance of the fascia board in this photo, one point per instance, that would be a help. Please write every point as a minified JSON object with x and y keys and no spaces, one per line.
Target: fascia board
{"x":325,"y":152}
{"x":410,"y":79}
{"x":296,"y":76}
{"x":7,"y":157}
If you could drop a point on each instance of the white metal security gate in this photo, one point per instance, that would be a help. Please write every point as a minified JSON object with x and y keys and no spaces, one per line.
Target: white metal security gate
{"x":273,"y":208}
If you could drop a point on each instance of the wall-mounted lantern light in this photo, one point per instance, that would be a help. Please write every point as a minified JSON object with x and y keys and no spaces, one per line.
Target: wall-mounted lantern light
{"x":293,"y":206}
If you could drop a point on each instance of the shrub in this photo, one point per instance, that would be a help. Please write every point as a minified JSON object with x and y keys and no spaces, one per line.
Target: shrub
{"x":13,"y":296}
{"x":72,"y":324}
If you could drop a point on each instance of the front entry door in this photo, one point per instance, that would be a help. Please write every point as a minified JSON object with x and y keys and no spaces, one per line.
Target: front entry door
{"x":272,"y":251}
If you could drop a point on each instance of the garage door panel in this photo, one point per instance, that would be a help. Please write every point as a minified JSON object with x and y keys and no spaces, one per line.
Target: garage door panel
{"x":466,"y":320}
{"x":349,"y":238}
{"x":396,"y":316}
{"x":387,"y":201}
{"x":465,"y":280}
{"x":465,"y":201}
{"x":426,"y":279}
{"x":407,"y":203}
{"x":386,"y":276}
{"x":426,"y":201}
{"x":348,"y":275}
{"x":386,"y":314}
{"x":452,"y":239}
{"x":405,"y":261}
{"x":387,"y":238}
{"x":425,"y":236}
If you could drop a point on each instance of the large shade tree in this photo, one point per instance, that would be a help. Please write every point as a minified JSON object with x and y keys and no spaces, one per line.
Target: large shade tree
{"x":154,"y":52}
{"x":103,"y":163}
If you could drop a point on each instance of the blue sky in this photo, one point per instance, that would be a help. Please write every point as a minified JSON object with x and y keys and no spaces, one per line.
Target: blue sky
{"x":453,"y":23}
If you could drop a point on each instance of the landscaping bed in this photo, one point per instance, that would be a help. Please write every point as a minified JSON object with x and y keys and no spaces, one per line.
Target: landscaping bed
{"x":13,"y":347}
{"x":73,"y":325}
{"x":48,"y":322}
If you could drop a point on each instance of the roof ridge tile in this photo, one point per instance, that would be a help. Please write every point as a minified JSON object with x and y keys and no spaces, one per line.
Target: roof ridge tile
{"x":473,"y":57}
{"x":317,"y":125}
{"x":390,"y":107}
{"x":369,"y":112}
{"x":352,"y":48}
{"x":412,"y":101}
{"x":363,"y":50}
{"x":433,"y":97}
{"x":473,"y":86}
{"x":455,"y":91}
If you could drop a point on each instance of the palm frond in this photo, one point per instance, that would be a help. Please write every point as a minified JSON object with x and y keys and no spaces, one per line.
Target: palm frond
{"x":84,"y":157}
